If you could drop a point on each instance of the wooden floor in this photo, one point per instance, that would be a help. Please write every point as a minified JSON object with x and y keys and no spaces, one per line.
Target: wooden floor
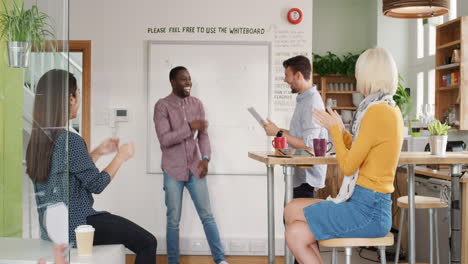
{"x":208,"y":260}
{"x":326,"y":255}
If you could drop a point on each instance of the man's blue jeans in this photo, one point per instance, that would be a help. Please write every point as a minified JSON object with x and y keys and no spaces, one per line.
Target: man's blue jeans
{"x":198,"y":190}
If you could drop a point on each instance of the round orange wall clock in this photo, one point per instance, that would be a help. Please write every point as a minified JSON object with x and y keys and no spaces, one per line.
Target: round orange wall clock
{"x":294,"y":16}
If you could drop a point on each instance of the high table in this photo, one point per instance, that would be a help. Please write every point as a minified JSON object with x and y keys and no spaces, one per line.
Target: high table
{"x":454,"y":159}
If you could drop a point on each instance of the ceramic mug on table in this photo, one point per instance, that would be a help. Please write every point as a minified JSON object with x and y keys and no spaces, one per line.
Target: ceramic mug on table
{"x":320,"y":146}
{"x":280,"y":143}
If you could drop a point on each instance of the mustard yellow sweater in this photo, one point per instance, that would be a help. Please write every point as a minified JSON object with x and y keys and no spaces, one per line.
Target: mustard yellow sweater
{"x":375,"y":151}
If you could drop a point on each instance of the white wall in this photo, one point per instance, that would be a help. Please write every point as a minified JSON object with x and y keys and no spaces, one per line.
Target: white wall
{"x":118,"y":30}
{"x":342,"y":26}
{"x":462,"y":7}
{"x":393,"y":34}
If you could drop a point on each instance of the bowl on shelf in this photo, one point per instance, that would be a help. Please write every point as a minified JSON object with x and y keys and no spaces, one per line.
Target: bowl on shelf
{"x":357,"y":98}
{"x":346,"y":116}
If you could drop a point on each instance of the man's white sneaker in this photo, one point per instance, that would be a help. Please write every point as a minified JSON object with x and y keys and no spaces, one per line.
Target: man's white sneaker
{"x":223,"y":262}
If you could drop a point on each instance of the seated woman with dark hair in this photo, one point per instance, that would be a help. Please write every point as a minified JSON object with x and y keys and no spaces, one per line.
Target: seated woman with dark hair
{"x":63,"y":171}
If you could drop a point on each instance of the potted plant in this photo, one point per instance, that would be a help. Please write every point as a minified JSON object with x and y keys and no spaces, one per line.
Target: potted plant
{"x":438,"y":137}
{"x":404,"y":102}
{"x":327,"y":64}
{"x":349,"y":64}
{"x":332,"y":64}
{"x":24,"y":29}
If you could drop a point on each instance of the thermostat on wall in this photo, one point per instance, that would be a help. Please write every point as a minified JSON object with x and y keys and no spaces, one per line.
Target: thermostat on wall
{"x":120,"y":115}
{"x":294,"y":16}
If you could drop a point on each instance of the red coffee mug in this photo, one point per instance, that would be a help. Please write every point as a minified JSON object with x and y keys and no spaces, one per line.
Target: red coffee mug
{"x":280,"y":142}
{"x":320,"y":146}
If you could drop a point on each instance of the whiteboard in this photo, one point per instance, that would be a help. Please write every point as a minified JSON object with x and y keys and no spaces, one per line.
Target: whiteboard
{"x":228,"y":77}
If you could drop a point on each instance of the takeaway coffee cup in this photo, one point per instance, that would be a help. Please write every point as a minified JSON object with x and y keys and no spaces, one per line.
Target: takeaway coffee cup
{"x":320,"y":146}
{"x":280,"y":143}
{"x":84,"y":239}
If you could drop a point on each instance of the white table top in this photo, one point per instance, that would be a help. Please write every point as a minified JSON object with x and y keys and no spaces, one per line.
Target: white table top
{"x":28,"y":251}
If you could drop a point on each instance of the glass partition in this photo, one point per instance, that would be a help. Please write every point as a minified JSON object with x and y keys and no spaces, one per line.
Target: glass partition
{"x":34,"y":131}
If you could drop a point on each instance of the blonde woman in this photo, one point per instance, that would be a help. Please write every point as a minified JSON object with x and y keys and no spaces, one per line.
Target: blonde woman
{"x":367,"y":155}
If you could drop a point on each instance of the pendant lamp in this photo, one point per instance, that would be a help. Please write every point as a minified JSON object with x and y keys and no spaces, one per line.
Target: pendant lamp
{"x":415,"y":8}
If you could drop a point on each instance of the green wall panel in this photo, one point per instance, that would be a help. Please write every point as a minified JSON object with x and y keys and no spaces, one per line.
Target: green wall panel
{"x":11,"y":145}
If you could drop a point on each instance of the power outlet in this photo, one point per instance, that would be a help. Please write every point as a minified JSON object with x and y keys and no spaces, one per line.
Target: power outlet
{"x":258,"y":246}
{"x":239,"y":245}
{"x":198,"y":245}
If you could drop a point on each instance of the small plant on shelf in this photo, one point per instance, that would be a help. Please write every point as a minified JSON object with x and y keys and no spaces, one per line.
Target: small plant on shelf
{"x":436,"y":128}
{"x":332,"y":64}
{"x":327,"y":64}
{"x":349,"y":64}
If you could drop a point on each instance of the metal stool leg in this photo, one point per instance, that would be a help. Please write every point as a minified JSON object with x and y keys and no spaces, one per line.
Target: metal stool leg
{"x":348,"y":252}
{"x":431,"y":236}
{"x":334,"y":258}
{"x":383,"y":257}
{"x":436,"y":232}
{"x":400,"y":231}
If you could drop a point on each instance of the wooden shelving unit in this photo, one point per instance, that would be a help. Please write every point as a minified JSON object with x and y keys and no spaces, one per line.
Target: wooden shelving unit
{"x":339,"y":88}
{"x":450,"y":36}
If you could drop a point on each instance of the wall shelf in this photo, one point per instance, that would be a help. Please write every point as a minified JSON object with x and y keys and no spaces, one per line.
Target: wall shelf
{"x":448,"y":66}
{"x":448,"y":88}
{"x":450,"y":44}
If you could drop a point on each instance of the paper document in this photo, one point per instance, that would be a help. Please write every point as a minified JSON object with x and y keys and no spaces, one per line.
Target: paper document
{"x":256,"y":115}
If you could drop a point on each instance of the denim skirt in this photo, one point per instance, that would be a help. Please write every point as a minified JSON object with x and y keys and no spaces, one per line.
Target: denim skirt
{"x":366,"y":214}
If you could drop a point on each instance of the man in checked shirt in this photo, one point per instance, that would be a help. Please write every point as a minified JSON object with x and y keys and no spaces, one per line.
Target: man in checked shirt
{"x":181,"y":129}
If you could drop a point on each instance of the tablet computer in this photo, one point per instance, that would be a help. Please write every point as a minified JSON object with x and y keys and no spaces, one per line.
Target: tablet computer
{"x":256,"y":115}
{"x":296,"y":152}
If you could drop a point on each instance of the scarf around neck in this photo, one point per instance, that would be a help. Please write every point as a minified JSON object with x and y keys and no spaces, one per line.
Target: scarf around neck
{"x":349,"y":182}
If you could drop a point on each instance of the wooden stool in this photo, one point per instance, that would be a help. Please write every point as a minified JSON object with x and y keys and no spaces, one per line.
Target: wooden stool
{"x":422,"y":202}
{"x":349,"y":243}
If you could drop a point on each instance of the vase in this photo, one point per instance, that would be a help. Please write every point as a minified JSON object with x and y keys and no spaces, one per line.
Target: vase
{"x":18,"y":54}
{"x":438,"y":145}
{"x":357,"y":99}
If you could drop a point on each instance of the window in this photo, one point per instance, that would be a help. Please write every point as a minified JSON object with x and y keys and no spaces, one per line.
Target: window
{"x":420,"y":39}
{"x":420,"y":92}
{"x":423,"y":65}
{"x":453,"y":9}
{"x":431,"y":87}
